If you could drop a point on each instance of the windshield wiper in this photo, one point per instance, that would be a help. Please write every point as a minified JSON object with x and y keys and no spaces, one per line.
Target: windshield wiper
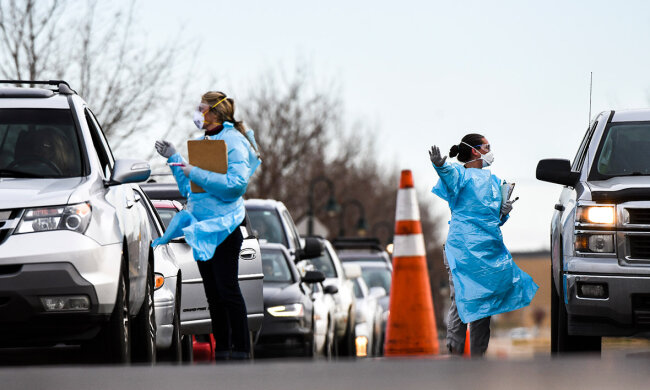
{"x":13,"y":173}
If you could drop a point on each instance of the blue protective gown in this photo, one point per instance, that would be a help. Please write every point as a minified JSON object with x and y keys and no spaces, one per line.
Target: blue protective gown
{"x":486,"y":279}
{"x":210,"y":216}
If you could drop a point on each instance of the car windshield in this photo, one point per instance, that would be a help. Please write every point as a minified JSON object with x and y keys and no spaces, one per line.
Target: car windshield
{"x":268,"y":226}
{"x":39,"y":143}
{"x":275,"y":267}
{"x":377,"y":277}
{"x":625,"y":150}
{"x":324,"y":264}
{"x":166,"y":214}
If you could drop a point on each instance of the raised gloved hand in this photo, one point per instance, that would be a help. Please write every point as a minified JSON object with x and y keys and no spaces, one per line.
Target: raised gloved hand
{"x":165,"y":148}
{"x":436,"y":158}
{"x":186,"y":169}
{"x":507,"y":207}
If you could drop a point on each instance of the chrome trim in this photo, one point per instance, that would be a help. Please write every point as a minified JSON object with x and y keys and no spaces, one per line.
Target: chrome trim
{"x":241,"y":277}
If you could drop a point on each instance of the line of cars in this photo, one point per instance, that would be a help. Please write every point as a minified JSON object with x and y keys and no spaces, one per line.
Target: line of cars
{"x":77,"y":266}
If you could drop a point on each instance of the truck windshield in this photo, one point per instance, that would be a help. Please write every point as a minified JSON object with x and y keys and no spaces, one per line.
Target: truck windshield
{"x":624,"y":151}
{"x":40,"y":143}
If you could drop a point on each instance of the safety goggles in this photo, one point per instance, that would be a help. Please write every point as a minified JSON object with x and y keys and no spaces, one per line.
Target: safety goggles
{"x":203,"y":107}
{"x":482,"y":146}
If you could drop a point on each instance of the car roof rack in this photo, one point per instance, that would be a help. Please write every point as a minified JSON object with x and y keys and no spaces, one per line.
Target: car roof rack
{"x":63,"y":86}
{"x":357,"y":243}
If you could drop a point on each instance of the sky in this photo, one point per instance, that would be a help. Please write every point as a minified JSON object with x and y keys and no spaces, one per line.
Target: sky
{"x":419,"y":73}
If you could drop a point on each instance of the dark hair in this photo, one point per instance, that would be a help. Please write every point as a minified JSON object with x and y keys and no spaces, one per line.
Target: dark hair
{"x":462,"y":150}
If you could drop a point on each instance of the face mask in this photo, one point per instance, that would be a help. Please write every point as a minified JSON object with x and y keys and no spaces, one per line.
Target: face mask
{"x":488,"y":158}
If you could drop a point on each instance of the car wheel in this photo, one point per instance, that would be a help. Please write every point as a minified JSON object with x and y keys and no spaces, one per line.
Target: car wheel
{"x":174,"y":354}
{"x":329,"y":341}
{"x":187,"y":348}
{"x":347,"y":346}
{"x":144,"y":346}
{"x":251,"y":336}
{"x":567,"y":343}
{"x":113,"y":344}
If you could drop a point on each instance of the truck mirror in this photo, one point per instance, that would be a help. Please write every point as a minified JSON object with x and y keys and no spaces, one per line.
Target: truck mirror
{"x":557,"y":171}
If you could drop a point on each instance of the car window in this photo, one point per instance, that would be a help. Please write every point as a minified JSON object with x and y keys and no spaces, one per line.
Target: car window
{"x":295,"y":236}
{"x":101,"y":145}
{"x":377,"y":277}
{"x":358,"y":290}
{"x":325,"y":264}
{"x":268,"y":226}
{"x":275,"y":267}
{"x":146,"y":209}
{"x":578,"y":160}
{"x":166,"y":215}
{"x":39,"y":143}
{"x":624,"y":150}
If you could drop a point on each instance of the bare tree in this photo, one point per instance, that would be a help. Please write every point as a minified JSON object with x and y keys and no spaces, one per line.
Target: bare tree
{"x":94,"y":47}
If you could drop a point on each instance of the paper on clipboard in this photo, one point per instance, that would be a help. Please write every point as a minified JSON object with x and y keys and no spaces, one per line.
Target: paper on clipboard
{"x":211,"y":155}
{"x":506,"y":191}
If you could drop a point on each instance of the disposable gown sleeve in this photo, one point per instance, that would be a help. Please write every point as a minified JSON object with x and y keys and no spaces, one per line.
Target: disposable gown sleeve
{"x":450,"y":182}
{"x":182,"y":180}
{"x":231,"y":185}
{"x":504,"y":219}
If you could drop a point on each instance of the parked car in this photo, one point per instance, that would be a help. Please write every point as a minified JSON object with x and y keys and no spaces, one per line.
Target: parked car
{"x":272,"y":222}
{"x":77,"y":267}
{"x":289,"y":327}
{"x":195,"y":315}
{"x":360,"y":249}
{"x":378,"y":275}
{"x":344,"y":314}
{"x":368,"y":316}
{"x":600,"y":234}
{"x":170,"y":343}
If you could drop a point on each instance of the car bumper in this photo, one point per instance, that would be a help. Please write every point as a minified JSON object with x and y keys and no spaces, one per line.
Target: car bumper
{"x":23,"y":318}
{"x":165,"y":304}
{"x":283,"y":336}
{"x":624,"y":312}
{"x":97,"y":264}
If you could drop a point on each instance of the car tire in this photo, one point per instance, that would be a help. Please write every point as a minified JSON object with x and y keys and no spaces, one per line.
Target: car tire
{"x":174,"y":354}
{"x":144,"y":335}
{"x":554,"y":316}
{"x":113,"y":343}
{"x":567,"y":343}
{"x":346,"y":345}
{"x":328,"y":351}
{"x":187,"y":349}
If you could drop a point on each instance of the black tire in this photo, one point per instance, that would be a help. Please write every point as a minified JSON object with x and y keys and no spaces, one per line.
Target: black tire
{"x":347,"y":344}
{"x":555,"y":298}
{"x":251,"y":335}
{"x":174,"y":354}
{"x":187,"y":348}
{"x":113,"y":343}
{"x":328,"y":351}
{"x":144,"y":335}
{"x":567,"y":343}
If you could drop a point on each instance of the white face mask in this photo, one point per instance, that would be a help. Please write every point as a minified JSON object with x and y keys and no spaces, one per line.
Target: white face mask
{"x":488,"y":158}
{"x":198,"y":118}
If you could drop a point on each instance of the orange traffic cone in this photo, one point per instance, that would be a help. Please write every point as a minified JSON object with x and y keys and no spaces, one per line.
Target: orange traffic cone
{"x":466,"y":351}
{"x":411,"y":328}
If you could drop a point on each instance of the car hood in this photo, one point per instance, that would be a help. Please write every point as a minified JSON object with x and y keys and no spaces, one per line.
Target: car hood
{"x":620,"y":189}
{"x":30,"y":192}
{"x":281,"y":293}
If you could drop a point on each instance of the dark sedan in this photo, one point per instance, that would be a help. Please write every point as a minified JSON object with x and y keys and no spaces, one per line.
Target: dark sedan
{"x":288,"y":328}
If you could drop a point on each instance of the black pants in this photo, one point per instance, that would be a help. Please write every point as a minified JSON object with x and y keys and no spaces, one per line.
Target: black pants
{"x":227,"y":306}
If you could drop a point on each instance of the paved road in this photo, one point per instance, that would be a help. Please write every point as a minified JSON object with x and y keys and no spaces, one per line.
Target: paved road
{"x":627,"y":372}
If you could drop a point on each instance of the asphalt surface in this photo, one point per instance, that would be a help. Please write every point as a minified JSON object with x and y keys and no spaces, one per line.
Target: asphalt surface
{"x":628,"y":371}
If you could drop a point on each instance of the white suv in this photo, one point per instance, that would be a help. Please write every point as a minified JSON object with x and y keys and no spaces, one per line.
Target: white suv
{"x":76,"y":265}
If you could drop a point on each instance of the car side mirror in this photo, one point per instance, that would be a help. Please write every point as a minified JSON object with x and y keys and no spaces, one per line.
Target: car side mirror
{"x":311,"y":277}
{"x":557,"y":171}
{"x":331,"y":289}
{"x":129,"y":171}
{"x":313,"y":248}
{"x":377,"y":292}
{"x":352,"y":271}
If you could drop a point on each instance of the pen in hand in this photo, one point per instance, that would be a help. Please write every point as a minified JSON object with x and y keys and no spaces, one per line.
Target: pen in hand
{"x":176,"y":164}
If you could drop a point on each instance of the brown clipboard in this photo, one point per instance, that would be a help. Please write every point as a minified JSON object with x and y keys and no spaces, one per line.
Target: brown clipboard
{"x":211,"y":155}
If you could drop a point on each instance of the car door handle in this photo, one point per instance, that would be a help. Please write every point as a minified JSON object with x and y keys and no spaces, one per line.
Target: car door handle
{"x":247,"y":254}
{"x":559,"y":207}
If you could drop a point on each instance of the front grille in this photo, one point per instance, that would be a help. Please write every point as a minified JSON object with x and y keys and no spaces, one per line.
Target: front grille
{"x":6,"y":217}
{"x":639,"y":216}
{"x":639,"y":247}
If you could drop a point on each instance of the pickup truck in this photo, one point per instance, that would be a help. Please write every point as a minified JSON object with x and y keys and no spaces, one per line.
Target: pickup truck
{"x":600,"y":234}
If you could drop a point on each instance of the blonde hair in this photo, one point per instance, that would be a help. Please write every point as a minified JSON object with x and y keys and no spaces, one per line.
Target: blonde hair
{"x":225,"y":112}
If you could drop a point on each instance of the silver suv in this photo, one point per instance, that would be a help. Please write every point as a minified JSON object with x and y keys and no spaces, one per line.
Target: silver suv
{"x":600,"y":234}
{"x":76,"y":264}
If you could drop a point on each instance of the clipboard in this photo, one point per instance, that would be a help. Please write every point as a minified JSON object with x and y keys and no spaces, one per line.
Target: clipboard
{"x":211,"y":155}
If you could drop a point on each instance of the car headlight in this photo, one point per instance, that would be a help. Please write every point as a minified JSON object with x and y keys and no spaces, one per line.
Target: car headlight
{"x":291,"y":310}
{"x":602,"y":215}
{"x":72,"y":217}
{"x":594,"y":243}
